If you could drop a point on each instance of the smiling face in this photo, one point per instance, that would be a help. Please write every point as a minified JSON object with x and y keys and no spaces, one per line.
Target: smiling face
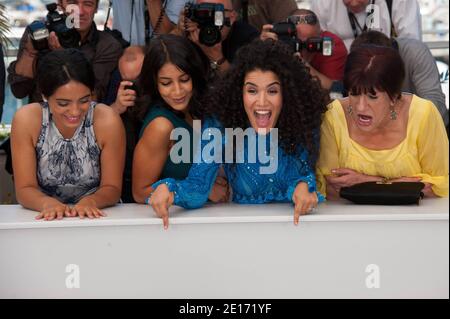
{"x":69,"y":105}
{"x":263,"y":99}
{"x":370,"y":111}
{"x":175,"y":87}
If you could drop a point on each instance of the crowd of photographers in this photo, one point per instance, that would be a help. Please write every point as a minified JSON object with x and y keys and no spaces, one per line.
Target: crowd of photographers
{"x":321,"y":38}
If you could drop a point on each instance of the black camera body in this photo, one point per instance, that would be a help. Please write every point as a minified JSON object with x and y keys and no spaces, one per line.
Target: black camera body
{"x":55,"y":21}
{"x":287,"y":32}
{"x":210,"y":18}
{"x":133,"y":87}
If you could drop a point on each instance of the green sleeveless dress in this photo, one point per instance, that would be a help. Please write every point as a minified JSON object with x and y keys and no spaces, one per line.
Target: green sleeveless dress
{"x":177,"y":171}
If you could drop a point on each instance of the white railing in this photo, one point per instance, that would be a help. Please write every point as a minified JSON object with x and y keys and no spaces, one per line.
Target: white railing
{"x":229,"y":251}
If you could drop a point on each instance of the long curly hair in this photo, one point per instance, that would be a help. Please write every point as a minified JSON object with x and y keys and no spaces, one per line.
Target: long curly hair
{"x":304,"y":100}
{"x":182,"y":53}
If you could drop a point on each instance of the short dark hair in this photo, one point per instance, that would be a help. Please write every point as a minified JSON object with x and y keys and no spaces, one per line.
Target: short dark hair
{"x":181,"y":52}
{"x":59,"y":67}
{"x":375,"y":38}
{"x":371,"y":67}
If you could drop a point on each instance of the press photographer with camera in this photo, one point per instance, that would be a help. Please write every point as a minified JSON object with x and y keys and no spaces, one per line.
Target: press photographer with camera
{"x":322,"y":51}
{"x":100,"y":48}
{"x":212,"y":25}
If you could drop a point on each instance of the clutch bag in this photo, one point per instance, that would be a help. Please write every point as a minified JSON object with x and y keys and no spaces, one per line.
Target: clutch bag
{"x":379,"y":193}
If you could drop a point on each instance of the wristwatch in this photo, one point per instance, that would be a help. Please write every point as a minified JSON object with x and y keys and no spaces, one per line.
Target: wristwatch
{"x":215,"y":64}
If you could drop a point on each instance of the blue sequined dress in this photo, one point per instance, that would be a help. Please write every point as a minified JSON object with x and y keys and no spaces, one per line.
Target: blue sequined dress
{"x":249,"y":186}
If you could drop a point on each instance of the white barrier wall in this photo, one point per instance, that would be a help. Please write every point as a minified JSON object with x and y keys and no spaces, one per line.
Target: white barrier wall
{"x":229,"y":251}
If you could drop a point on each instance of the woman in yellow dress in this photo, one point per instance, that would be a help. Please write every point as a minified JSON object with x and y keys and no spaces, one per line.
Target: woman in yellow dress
{"x":379,"y":133}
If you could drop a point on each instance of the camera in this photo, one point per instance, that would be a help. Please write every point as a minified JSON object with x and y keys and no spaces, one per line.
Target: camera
{"x":210,"y":18}
{"x":55,"y":21}
{"x":287,"y":33}
{"x":132,"y":87}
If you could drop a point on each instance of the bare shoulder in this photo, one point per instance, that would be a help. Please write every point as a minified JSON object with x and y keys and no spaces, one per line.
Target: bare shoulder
{"x":104,"y":116}
{"x":30,"y":117}
{"x":28,"y":112}
{"x":108,"y":125}
{"x":159,"y":127}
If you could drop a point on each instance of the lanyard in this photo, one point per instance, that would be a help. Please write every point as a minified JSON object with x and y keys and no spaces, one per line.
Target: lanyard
{"x":354,"y":21}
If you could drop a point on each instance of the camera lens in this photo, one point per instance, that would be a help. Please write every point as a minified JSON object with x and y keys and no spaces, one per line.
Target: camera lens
{"x":210,"y":35}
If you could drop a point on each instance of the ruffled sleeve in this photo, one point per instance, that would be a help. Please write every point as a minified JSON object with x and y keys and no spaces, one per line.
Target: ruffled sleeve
{"x":432,"y":145}
{"x":329,"y":149}
{"x":302,"y":173}
{"x":193,"y":192}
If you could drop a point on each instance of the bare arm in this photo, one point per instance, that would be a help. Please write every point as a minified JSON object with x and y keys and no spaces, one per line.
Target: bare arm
{"x":110,"y":135}
{"x":24,"y":133}
{"x":325,"y":81}
{"x":150,"y":156}
{"x":22,"y":71}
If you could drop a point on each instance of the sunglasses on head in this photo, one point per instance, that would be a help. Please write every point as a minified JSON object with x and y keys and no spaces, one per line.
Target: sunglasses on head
{"x":303,"y":19}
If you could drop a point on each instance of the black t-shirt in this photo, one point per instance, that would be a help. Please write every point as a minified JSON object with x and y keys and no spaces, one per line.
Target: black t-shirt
{"x":241,"y":34}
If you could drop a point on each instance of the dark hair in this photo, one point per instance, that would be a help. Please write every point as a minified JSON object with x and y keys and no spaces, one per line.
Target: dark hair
{"x":371,"y":67}
{"x":304,"y":100}
{"x":59,"y":67}
{"x":182,"y":53}
{"x":375,"y":38}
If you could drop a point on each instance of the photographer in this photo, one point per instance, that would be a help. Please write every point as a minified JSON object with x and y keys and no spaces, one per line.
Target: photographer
{"x":122,"y":95}
{"x":233,"y":35}
{"x":329,"y":69}
{"x":100,"y":48}
{"x":349,"y":18}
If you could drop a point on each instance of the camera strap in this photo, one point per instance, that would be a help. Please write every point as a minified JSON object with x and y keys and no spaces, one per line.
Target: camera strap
{"x":132,"y":16}
{"x":244,"y":10}
{"x":393,"y":30}
{"x":354,"y":21}
{"x":148,"y":37}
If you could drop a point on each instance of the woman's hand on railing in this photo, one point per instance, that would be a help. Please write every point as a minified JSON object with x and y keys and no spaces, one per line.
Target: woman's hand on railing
{"x":53,"y":209}
{"x":160,"y":200}
{"x":304,"y":201}
{"x":87,"y":207}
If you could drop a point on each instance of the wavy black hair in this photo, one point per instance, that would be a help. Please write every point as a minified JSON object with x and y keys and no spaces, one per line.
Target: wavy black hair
{"x":304,"y":100}
{"x":180,"y":52}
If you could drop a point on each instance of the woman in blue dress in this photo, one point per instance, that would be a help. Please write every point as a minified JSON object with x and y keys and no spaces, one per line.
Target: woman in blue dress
{"x":268,"y":91}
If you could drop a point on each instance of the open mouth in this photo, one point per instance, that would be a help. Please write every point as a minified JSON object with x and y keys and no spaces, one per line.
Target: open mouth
{"x":364,"y":120}
{"x":262,"y":118}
